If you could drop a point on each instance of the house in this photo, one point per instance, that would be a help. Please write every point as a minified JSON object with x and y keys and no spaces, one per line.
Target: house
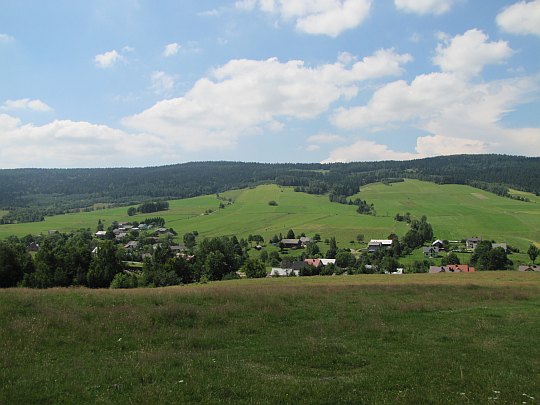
{"x":431,"y":251}
{"x":32,"y":247}
{"x":501,"y":245}
{"x":101,"y":234}
{"x":532,"y":267}
{"x":473,"y":242}
{"x":120,"y":236}
{"x":304,"y":240}
{"x":326,"y":262}
{"x":291,"y":243}
{"x":288,"y":268}
{"x":376,"y":244}
{"x":452,"y":268}
{"x":132,"y":244}
{"x":177,"y":248}
{"x":313,"y":262}
{"x":438,"y":243}
{"x":279,"y":272}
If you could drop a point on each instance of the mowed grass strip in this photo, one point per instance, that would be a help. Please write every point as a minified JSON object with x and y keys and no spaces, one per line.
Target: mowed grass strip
{"x":459,"y":338}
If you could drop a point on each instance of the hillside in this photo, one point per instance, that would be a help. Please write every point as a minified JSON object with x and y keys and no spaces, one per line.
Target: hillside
{"x":49,"y":191}
{"x":455,"y":212}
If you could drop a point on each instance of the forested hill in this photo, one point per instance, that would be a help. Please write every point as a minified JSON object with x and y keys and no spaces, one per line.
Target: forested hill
{"x":73,"y":188}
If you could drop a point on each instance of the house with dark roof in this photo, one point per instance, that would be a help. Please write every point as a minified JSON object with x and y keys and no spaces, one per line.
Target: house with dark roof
{"x":431,"y":251}
{"x":473,"y":242}
{"x":288,"y":269}
{"x":291,"y":243}
{"x":132,"y":244}
{"x":438,"y":243}
{"x":376,"y":244}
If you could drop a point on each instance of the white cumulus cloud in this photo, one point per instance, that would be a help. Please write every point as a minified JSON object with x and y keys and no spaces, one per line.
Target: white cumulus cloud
{"x":469,"y":53}
{"x":244,"y":96}
{"x":363,"y":150}
{"x":521,"y":18}
{"x":320,"y":17}
{"x":108,"y":59}
{"x":424,"y":6}
{"x":25,"y":104}
{"x":453,"y":111}
{"x":64,"y":143}
{"x":171,"y":49}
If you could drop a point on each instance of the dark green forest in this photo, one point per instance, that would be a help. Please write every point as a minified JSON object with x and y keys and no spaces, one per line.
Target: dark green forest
{"x":30,"y":194}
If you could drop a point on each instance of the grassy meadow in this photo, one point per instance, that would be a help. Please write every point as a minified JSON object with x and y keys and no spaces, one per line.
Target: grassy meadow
{"x":455,"y":212}
{"x":374,"y":339}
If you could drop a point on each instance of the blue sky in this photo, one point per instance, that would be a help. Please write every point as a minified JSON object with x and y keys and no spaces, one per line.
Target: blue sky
{"x":100,"y":83}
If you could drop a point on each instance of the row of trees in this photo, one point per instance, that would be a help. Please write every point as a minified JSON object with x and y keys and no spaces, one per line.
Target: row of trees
{"x":148,"y":208}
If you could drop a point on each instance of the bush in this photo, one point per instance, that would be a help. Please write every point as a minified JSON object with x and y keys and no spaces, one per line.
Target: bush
{"x":254,"y":268}
{"x":272,"y":203}
{"x":123,"y":280}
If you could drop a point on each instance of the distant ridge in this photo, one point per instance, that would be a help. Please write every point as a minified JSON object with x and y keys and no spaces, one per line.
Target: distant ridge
{"x":64,"y":189}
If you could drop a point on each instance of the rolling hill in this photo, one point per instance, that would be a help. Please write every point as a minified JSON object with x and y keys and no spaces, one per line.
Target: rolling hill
{"x":455,"y":212}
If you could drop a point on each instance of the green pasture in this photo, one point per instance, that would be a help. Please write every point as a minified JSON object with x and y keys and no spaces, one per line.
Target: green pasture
{"x":369,"y":339}
{"x":456,"y":212}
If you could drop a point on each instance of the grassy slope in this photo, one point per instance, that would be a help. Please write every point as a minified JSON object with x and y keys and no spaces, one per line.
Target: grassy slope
{"x":458,"y":212}
{"x":451,"y":338}
{"x":455,"y":212}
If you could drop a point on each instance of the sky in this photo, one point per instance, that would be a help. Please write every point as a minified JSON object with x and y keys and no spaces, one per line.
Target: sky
{"x":131,"y":83}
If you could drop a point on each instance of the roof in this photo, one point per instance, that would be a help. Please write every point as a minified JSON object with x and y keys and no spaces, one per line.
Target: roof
{"x":452,"y":268}
{"x":290,"y":241}
{"x":101,"y":233}
{"x":131,"y":244}
{"x":380,"y":242}
{"x":326,"y":262}
{"x":276,"y":271}
{"x":313,"y":262}
{"x":298,"y":265}
{"x":429,"y":249}
{"x":532,"y":267}
{"x":475,"y":239}
{"x":305,"y":239}
{"x":501,"y":245}
{"x":437,"y":242}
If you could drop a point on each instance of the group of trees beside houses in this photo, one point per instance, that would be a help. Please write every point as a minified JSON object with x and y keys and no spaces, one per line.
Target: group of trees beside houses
{"x":78,"y":259}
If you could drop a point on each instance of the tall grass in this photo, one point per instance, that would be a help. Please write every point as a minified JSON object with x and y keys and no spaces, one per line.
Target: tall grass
{"x":351,"y":339}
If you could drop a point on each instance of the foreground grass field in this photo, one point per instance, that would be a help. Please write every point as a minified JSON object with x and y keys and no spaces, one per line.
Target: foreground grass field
{"x":459,"y":338}
{"x":455,"y":212}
